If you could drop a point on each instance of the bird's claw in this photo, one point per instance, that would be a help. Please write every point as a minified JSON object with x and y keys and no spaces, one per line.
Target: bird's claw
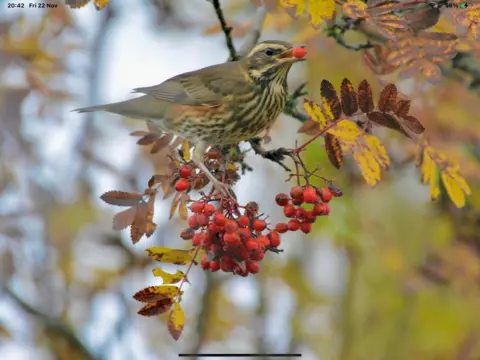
{"x":277,"y":154}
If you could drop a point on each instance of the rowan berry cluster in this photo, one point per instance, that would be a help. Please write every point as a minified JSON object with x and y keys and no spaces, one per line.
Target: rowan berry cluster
{"x":235,"y":241}
{"x":296,"y":205}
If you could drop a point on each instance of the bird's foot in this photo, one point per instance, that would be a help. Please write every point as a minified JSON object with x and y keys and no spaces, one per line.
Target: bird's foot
{"x":275,"y":155}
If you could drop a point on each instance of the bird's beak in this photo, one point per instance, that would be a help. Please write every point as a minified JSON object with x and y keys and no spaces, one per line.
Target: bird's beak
{"x":292,"y":55}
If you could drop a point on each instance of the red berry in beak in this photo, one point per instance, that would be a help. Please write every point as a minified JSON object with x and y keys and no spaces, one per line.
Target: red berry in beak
{"x":299,"y":52}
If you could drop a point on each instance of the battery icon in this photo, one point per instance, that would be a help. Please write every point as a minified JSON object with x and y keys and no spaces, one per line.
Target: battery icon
{"x":463,"y":5}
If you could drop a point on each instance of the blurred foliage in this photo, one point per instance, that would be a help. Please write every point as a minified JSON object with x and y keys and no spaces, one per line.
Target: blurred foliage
{"x":406,"y":270}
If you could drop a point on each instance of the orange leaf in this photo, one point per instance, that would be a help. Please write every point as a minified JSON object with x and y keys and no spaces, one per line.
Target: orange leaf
{"x":148,"y":139}
{"x":328,"y":92}
{"x":334,"y":150}
{"x":349,"y":98}
{"x":156,"y":308}
{"x":156,"y":293}
{"x":388,"y":98}
{"x":161,"y":143}
{"x":176,"y":321}
{"x":124,"y":218}
{"x":365,"y":97}
{"x":139,"y":225}
{"x":121,"y":198}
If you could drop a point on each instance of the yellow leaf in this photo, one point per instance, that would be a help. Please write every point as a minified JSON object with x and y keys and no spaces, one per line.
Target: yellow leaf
{"x":368,"y":166}
{"x":454,"y":189}
{"x":100,"y":4}
{"x":186,"y":150}
{"x":315,"y":113}
{"x":300,"y":4}
{"x":346,"y":130}
{"x":171,"y":256}
{"x":377,"y":148}
{"x":167,"y":277}
{"x":434,"y":188}
{"x":320,"y":10}
{"x":327,"y":109}
{"x":426,"y":165}
{"x":176,"y":321}
{"x":156,"y":293}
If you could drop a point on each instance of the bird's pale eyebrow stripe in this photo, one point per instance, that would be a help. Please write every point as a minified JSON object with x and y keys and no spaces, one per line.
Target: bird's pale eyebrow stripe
{"x":275,"y":47}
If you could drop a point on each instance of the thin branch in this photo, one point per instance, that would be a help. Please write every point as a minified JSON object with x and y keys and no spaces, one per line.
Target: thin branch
{"x":227,"y":30}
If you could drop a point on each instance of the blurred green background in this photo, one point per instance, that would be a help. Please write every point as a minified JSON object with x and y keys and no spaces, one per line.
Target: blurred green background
{"x":389,"y":275}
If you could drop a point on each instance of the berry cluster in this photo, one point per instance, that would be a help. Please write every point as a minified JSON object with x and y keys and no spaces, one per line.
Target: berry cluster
{"x":295,"y":207}
{"x":234,"y":242}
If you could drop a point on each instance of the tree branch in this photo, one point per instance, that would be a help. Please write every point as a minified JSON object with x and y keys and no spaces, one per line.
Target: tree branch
{"x":227,"y":30}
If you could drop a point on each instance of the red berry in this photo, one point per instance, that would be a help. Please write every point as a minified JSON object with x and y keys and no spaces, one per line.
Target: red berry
{"x":193,"y":222}
{"x":231,"y":238}
{"x":310,"y":195}
{"x":202,"y":219}
{"x":219,"y":219}
{"x":182,"y":185}
{"x":187,"y":234}
{"x":243,"y":220}
{"x":257,"y":255}
{"x":293,"y":225}
{"x":299,"y":52}
{"x":215,"y":248}
{"x":209,"y":209}
{"x":274,"y":238}
{"x":259,"y":225}
{"x":297,"y":201}
{"x":289,"y":210}
{"x":227,"y":266}
{"x":282,"y":199}
{"x":214,"y":265}
{"x":321,"y":209}
{"x":244,"y":234}
{"x":296,"y":192}
{"x":309,"y":217}
{"x":243,"y":253}
{"x":281,"y":228}
{"x":231,"y":226}
{"x":197,"y":207}
{"x":300,"y":213}
{"x":252,"y":267}
{"x":306,"y":228}
{"x":205,"y":264}
{"x":198,"y":239}
{"x":263,"y":240}
{"x":251,"y":245}
{"x":326,"y":194}
{"x":185,"y":171}
{"x":214,"y":228}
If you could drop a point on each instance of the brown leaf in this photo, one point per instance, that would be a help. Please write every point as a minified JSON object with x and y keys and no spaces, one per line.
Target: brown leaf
{"x":413,"y":124}
{"x":148,"y":139}
{"x":161,"y":143}
{"x":348,"y":97}
{"x":327,"y":90}
{"x":421,"y":19}
{"x":402,"y":107}
{"x":124,"y":218}
{"x":410,"y":69}
{"x":157,"y":293}
{"x":150,"y":225}
{"x":432,"y":72}
{"x":386,"y":120}
{"x":365,"y":97}
{"x":157,"y":179}
{"x":334,"y":150}
{"x":175,"y":202}
{"x":156,"y":308}
{"x":121,"y":198}
{"x":388,"y":98}
{"x":309,"y":127}
{"x":182,"y":209}
{"x":139,"y":225}
{"x":139,"y":133}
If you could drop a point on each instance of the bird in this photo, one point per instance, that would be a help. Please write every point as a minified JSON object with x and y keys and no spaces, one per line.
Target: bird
{"x":222,"y":104}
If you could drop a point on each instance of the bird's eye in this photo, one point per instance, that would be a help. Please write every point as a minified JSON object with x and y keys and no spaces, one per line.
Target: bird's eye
{"x":269,"y":52}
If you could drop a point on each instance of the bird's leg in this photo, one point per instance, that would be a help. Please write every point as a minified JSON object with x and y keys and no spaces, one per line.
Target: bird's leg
{"x":197,"y":159}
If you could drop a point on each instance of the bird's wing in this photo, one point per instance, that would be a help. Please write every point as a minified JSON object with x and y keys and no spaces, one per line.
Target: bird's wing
{"x":208,"y":86}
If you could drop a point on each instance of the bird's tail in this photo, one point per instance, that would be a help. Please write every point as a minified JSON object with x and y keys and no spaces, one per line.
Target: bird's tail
{"x":143,"y":107}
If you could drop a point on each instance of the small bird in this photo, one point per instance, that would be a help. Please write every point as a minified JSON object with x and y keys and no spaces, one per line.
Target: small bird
{"x":222,"y":104}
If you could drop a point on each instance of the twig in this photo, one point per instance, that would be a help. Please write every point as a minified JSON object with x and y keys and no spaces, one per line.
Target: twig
{"x":227,"y":30}
{"x":291,"y":105}
{"x":53,"y":324}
